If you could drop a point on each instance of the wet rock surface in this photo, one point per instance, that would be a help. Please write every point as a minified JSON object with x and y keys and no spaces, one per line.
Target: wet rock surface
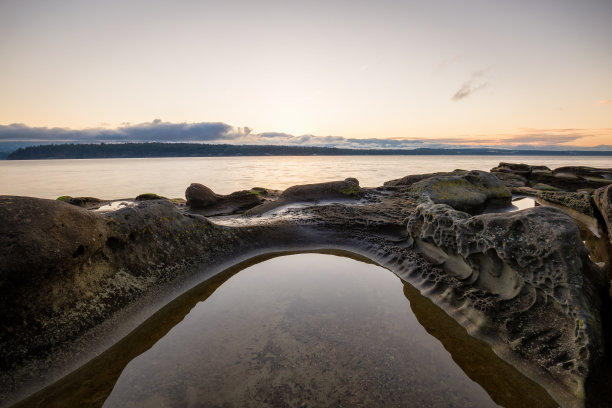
{"x":465,"y":191}
{"x":527,"y":259}
{"x":510,"y":180}
{"x":84,"y":202}
{"x":523,"y":282}
{"x":602,"y":199}
{"x":571,"y":178}
{"x":579,"y":201}
{"x":339,"y":190}
{"x":204,"y":201}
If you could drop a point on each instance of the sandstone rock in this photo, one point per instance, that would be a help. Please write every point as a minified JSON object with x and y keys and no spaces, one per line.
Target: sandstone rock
{"x":544,"y":187}
{"x":202,"y":200}
{"x":602,"y":198}
{"x":333,"y":190}
{"x":321,"y":191}
{"x":199,"y":196}
{"x":579,"y":201}
{"x":84,"y":202}
{"x":470,"y":192}
{"x":65,"y":270}
{"x":583,"y":171}
{"x":568,"y":182}
{"x":543,"y":291}
{"x":149,"y":196}
{"x":413,"y":178}
{"x":524,"y":170}
{"x":564,"y":178}
{"x":43,"y":237}
{"x":510,"y":180}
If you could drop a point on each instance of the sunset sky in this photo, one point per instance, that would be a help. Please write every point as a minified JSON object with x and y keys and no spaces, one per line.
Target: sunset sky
{"x":495,"y":73}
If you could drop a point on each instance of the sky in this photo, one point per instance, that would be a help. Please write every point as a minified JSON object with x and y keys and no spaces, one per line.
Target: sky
{"x":352,"y":73}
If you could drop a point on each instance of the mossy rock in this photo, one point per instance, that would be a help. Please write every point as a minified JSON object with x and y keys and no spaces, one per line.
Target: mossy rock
{"x":149,"y":196}
{"x":469,"y":192}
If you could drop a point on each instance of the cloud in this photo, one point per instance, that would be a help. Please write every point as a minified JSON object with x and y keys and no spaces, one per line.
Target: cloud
{"x":16,"y":135}
{"x":605,"y":102}
{"x":548,"y":138}
{"x":155,"y":131}
{"x":474,"y":84}
{"x":442,"y":65}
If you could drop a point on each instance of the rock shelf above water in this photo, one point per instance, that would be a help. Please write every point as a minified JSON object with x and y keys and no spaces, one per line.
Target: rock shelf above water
{"x":524,"y":282}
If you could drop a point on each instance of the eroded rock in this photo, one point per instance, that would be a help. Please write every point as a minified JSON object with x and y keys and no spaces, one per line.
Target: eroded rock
{"x":579,"y":201}
{"x":199,"y":196}
{"x":84,"y":202}
{"x":542,"y":300}
{"x":510,"y":180}
{"x":333,"y":190}
{"x":44,"y":237}
{"x":413,"y":178}
{"x":204,"y":201}
{"x":470,"y":192}
{"x":520,"y":281}
{"x":524,"y":170}
{"x":602,"y":198}
{"x":571,"y":178}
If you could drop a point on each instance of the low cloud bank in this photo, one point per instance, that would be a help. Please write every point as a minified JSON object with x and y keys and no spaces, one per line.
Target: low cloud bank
{"x":217,"y":132}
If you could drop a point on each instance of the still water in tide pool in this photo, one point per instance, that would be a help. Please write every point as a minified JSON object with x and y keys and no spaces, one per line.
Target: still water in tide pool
{"x":316,"y":330}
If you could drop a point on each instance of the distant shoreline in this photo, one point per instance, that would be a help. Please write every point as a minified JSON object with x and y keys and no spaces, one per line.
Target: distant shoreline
{"x":151,"y":150}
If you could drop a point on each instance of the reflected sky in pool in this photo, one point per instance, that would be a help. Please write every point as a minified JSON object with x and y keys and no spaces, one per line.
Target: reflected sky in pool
{"x":300,"y":330}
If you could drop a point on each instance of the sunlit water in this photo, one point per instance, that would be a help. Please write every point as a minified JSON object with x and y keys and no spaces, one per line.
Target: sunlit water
{"x":125,"y":178}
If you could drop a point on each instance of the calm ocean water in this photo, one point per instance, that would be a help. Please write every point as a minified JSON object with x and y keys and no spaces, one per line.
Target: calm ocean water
{"x":125,"y":178}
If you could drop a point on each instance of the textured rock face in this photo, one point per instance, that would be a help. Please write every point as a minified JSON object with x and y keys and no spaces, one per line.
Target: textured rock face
{"x":534,"y":276}
{"x":520,"y":169}
{"x":205,"y":202}
{"x":413,"y":178}
{"x":320,"y":191}
{"x":520,"y":281}
{"x":44,"y":236}
{"x":582,"y":171}
{"x":564,"y":178}
{"x":85,"y":202}
{"x":602,"y":198}
{"x":199,"y":196}
{"x":346,"y":189}
{"x":578,"y":201}
{"x":469,"y":192}
{"x":510,"y":180}
{"x":66,"y":269}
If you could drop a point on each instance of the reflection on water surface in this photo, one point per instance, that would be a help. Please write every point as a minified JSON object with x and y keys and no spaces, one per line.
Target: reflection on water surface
{"x":306,"y":329}
{"x":299,"y":330}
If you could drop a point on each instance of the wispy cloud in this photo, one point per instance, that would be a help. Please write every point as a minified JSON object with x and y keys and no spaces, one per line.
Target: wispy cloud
{"x":444,"y":64}
{"x":605,"y":102}
{"x":474,"y":84}
{"x":217,"y":132}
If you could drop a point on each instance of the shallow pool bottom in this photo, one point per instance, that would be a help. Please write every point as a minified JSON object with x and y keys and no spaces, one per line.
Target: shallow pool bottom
{"x":300,"y":330}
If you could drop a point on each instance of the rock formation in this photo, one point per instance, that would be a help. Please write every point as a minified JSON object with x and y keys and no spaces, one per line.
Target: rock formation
{"x":342,"y":190}
{"x":525,"y":276}
{"x":203,"y":200}
{"x":602,"y":198}
{"x":523,"y":282}
{"x":563,"y":178}
{"x":465,"y":191}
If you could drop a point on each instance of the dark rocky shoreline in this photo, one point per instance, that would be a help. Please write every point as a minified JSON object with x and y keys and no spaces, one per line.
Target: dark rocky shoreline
{"x":75,"y":280}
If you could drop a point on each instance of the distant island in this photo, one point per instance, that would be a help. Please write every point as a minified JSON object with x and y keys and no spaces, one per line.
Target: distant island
{"x":141,"y":150}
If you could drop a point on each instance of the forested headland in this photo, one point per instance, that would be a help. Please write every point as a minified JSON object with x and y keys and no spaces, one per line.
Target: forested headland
{"x":140,"y":150}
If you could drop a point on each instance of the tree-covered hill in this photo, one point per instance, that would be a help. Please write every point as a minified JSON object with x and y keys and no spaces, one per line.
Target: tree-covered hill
{"x":137,"y":150}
